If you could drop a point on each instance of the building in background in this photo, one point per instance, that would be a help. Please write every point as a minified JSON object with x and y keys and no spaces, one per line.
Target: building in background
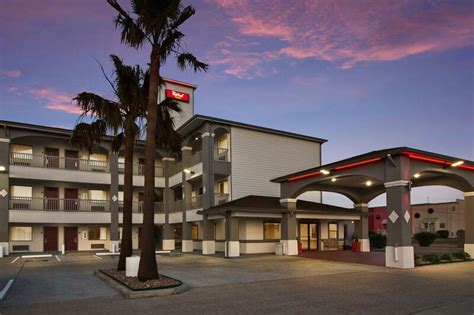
{"x":432,"y":217}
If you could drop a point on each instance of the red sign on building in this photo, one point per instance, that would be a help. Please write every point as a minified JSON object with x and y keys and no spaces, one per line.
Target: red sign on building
{"x":179,"y":96}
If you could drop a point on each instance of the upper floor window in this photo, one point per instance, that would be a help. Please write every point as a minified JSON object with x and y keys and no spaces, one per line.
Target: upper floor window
{"x":20,"y":151}
{"x":21,"y":191}
{"x":97,"y":195}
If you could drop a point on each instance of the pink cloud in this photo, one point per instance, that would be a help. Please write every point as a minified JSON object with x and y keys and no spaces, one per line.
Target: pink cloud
{"x":14,"y":73}
{"x":55,"y":100}
{"x":351,"y":32}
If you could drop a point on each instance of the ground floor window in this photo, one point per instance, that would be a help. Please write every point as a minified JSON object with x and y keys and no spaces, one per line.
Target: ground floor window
{"x":271,"y":231}
{"x":21,"y":233}
{"x":332,"y":229}
{"x":195,"y":232}
{"x":97,"y":233}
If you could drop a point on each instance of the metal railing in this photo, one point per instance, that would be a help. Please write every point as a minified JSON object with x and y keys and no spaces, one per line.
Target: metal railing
{"x":139,"y":169}
{"x":56,"y":204}
{"x":59,"y":162}
{"x":137,"y":207}
{"x":221,"y":154}
{"x":221,"y":198}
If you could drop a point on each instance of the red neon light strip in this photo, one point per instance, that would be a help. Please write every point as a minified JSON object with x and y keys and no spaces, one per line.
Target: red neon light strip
{"x":437,"y":161}
{"x":468,"y":167}
{"x":357,"y":163}
{"x":303,"y":176}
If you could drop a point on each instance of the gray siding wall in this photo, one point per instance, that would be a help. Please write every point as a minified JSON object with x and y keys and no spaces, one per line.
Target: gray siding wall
{"x":257,"y":157}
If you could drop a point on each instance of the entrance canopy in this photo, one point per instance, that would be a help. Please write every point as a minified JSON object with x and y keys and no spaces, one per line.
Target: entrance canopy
{"x":363,"y":177}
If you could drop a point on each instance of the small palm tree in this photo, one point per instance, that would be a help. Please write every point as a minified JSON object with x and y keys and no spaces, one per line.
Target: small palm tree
{"x":155,"y":23}
{"x":121,"y":119}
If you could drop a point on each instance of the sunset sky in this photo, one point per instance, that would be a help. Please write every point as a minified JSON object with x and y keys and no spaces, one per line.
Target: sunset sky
{"x":365,"y":75}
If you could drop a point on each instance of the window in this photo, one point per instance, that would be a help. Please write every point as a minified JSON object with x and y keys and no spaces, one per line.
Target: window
{"x":22,"y":151}
{"x":442,"y":225}
{"x":195,"y":232}
{"x":21,"y":233}
{"x":271,"y":231}
{"x":22,"y":192}
{"x":97,"y":233}
{"x":97,"y":195}
{"x":120,"y":196}
{"x":222,"y":142}
{"x":332,"y":229}
{"x":417,"y":215}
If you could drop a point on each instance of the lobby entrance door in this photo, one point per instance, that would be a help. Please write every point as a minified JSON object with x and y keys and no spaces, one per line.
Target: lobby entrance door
{"x":308,"y":233}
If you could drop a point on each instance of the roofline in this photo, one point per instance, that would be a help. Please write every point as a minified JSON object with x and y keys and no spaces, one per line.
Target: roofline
{"x":180,"y":83}
{"x":426,"y":204}
{"x":365,"y":156}
{"x":249,"y":126}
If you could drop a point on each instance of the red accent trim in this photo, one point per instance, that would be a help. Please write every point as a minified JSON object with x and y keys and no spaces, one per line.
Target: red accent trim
{"x":303,"y":176}
{"x":420,"y":157}
{"x":180,"y":83}
{"x":358,"y":163}
{"x":176,"y":95}
{"x":468,"y":167}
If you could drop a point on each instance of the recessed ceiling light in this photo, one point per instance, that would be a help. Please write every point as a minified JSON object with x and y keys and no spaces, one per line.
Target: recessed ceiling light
{"x":333,"y":179}
{"x":368,"y":183}
{"x":325,"y":172}
{"x":417,"y":175}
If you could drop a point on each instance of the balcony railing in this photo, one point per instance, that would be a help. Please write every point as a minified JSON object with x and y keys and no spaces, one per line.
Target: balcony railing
{"x":57,"y":162}
{"x":139,"y":169}
{"x":196,"y":202}
{"x":137,"y":207}
{"x":195,"y":158}
{"x":176,"y":167}
{"x":176,"y":206}
{"x":221,"y":198}
{"x":222,"y":154}
{"x":56,"y":204}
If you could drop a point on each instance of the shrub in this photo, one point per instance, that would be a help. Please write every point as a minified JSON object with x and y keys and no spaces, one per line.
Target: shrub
{"x":377,"y":240}
{"x":432,"y":258}
{"x":425,"y":239}
{"x":443,"y":233}
{"x":462,"y":255}
{"x":446,"y":257}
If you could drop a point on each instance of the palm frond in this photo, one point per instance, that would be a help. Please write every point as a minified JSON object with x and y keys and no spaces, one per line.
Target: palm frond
{"x":184,"y":15}
{"x":186,"y":60}
{"x":87,"y":135}
{"x":131,"y":32}
{"x":96,"y":106}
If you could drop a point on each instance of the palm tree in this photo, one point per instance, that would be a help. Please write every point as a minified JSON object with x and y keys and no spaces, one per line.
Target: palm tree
{"x":155,"y":23}
{"x":120,"y":118}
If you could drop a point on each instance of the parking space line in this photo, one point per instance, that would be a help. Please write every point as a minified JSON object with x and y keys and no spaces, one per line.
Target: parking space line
{"x":57,"y":258}
{"x":97,"y":257}
{"x":5,"y":289}
{"x":14,"y":260}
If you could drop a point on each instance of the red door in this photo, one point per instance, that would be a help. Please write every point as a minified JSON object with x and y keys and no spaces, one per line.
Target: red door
{"x":71,"y":196}
{"x":50,"y":238}
{"x":52,"y":157}
{"x":51,"y":197}
{"x":72,"y":159}
{"x":70,"y":237}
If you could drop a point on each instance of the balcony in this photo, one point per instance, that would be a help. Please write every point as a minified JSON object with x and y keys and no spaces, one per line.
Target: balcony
{"x":137,"y":207}
{"x":176,"y":206}
{"x":54,"y":204}
{"x":139,"y":169}
{"x":57,"y":162}
{"x":195,"y":158}
{"x":221,"y":198}
{"x":196,"y":202}
{"x":221,"y":154}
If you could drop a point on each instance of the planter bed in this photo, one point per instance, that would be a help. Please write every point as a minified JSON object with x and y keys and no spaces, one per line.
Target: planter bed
{"x":131,"y":287}
{"x":435,"y":259}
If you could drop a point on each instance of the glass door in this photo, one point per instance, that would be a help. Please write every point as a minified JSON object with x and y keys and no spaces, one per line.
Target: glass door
{"x":304,"y":236}
{"x":313,"y":236}
{"x":308,"y":236}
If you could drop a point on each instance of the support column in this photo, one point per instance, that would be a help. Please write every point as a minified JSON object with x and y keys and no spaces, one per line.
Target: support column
{"x":469,"y":223}
{"x":232,"y":244}
{"x":4,"y":195}
{"x":399,"y":252}
{"x":168,"y":230}
{"x":114,"y":217}
{"x":187,"y":241}
{"x":207,"y":171}
{"x":288,"y":228}
{"x":208,"y":242}
{"x":362,"y":226}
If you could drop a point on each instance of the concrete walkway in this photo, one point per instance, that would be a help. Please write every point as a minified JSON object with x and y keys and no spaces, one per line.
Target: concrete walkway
{"x":259,"y":284}
{"x":371,"y":258}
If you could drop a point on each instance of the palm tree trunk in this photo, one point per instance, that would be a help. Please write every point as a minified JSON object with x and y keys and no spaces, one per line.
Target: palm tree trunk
{"x":126,"y":249}
{"x":148,"y":268}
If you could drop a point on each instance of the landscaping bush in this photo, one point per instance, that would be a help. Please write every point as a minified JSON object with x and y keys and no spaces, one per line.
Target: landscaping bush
{"x":377,"y":240}
{"x":462,"y":255}
{"x":443,"y":233}
{"x":446,"y":257}
{"x":425,"y":239}
{"x":432,"y":258}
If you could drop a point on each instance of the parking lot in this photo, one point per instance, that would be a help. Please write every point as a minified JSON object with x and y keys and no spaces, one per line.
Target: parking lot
{"x":252,"y":284}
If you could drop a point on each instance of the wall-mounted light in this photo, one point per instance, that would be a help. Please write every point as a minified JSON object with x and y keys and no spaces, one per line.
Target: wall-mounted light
{"x":455,"y":164}
{"x":188,"y":171}
{"x":368,"y":183}
{"x":333,"y":179}
{"x":416,"y":175}
{"x":3,"y":169}
{"x":325,"y":172}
